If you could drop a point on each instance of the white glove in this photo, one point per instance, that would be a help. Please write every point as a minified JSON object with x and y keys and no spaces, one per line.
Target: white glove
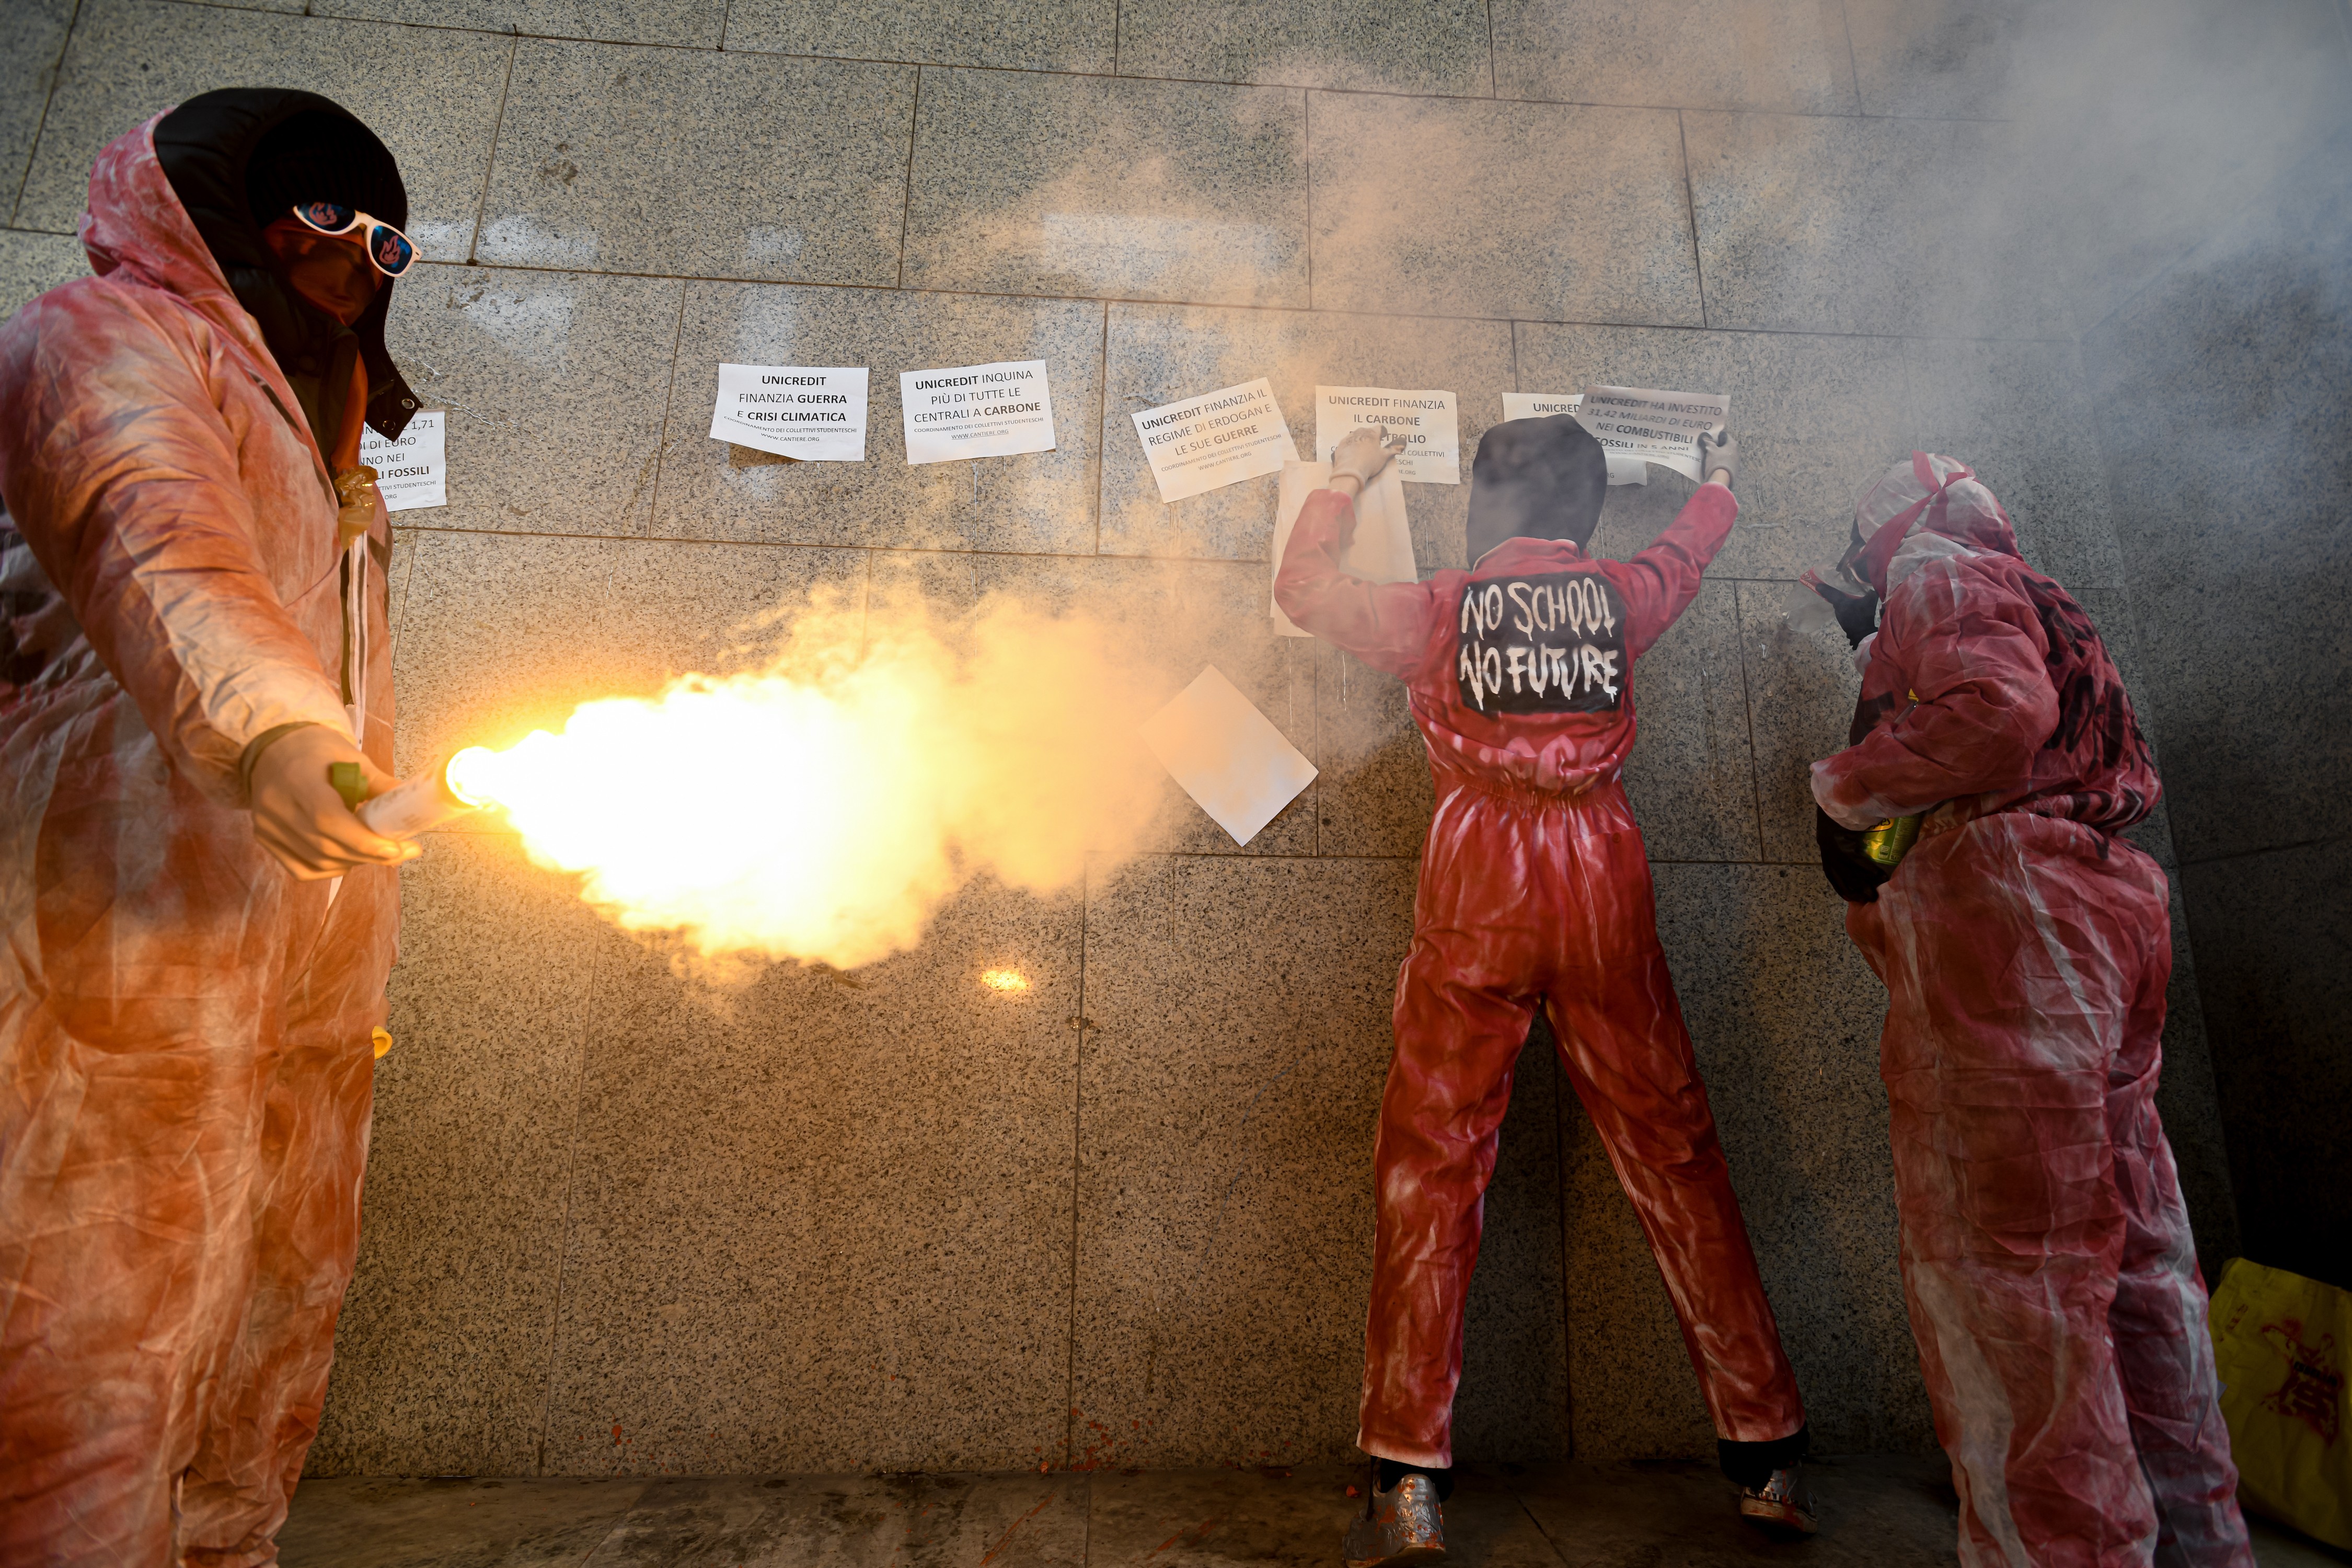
{"x":1362,"y":454}
{"x":1723,"y":453}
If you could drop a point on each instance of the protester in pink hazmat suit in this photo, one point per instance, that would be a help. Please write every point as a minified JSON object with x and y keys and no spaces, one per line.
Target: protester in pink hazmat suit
{"x":1534,"y":892}
{"x":2047,"y":1262}
{"x":198,"y":928}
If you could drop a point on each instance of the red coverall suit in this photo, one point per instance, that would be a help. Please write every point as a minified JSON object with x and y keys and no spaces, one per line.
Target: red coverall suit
{"x":185,"y":1028}
{"x":2047,"y":1262}
{"x":1535,"y":890}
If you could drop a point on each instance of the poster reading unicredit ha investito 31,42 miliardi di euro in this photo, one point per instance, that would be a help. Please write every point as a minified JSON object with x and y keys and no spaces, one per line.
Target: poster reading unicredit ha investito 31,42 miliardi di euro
{"x":1661,"y":427}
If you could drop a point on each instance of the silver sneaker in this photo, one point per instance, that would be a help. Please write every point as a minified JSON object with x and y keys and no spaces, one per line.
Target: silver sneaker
{"x":1779,"y":1506}
{"x":1406,"y":1525}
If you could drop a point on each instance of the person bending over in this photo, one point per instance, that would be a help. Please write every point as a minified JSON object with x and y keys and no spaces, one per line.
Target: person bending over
{"x":1535,"y":891}
{"x":199,"y":929}
{"x":2047,"y":1262}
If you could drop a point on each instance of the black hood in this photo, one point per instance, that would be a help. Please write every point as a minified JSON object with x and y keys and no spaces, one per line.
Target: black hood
{"x":241,"y":157}
{"x":1536,"y":479}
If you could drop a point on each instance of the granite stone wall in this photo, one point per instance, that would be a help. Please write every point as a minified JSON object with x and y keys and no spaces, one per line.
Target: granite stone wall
{"x":892,"y":1218}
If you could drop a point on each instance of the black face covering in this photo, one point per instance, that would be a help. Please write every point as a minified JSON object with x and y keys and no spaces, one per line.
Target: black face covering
{"x":1536,"y":479}
{"x":239,"y":159}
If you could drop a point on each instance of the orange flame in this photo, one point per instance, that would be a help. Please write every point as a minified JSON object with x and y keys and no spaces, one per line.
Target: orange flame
{"x":823,"y":807}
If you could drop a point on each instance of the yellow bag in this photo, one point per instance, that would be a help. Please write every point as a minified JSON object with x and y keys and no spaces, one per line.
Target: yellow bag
{"x":2280,"y":1342}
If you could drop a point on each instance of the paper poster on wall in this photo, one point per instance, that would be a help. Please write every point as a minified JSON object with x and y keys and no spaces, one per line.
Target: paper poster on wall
{"x":1428,"y":421}
{"x":1382,"y":551}
{"x":815,"y":412}
{"x":1622,"y":470}
{"x":1228,"y":757}
{"x":1198,"y":444}
{"x":976,"y":410}
{"x":413,"y":472}
{"x":1661,"y":427}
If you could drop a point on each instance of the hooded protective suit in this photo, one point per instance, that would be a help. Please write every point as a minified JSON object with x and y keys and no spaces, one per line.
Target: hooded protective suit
{"x":2047,"y":1262}
{"x":185,"y":1028}
{"x":1535,"y":891}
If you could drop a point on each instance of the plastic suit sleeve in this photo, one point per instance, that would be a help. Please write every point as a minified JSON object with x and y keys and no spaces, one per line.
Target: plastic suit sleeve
{"x":1386,"y":624}
{"x":121,"y":475}
{"x":1663,"y":579}
{"x":1971,"y":657}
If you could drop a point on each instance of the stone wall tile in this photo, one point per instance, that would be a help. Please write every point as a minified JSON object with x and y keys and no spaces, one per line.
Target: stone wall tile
{"x":33,"y":264}
{"x":504,"y":633}
{"x":1573,"y":214}
{"x":1788,"y":55}
{"x":489,"y":646}
{"x":1179,"y":617}
{"x":823,"y":1220}
{"x":2231,"y":493}
{"x":2271,"y":929}
{"x":31,"y":36}
{"x":1376,"y":793}
{"x":683,"y":24}
{"x":616,"y":159}
{"x":523,"y":363}
{"x":2019,"y":414}
{"x":432,"y":96}
{"x":1392,"y":46}
{"x":1073,"y":36}
{"x":1813,"y":224}
{"x":1514,"y":1403}
{"x":1801,"y":688}
{"x":1691,"y":775}
{"x":2188,"y":1100}
{"x":2152,"y":131}
{"x":1100,"y":186}
{"x":1935,"y":57}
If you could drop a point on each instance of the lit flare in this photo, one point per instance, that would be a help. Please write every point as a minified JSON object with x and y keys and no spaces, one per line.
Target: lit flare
{"x":823,"y":807}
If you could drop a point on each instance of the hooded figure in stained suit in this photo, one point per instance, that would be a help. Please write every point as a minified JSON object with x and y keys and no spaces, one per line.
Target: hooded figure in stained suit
{"x":198,"y":931}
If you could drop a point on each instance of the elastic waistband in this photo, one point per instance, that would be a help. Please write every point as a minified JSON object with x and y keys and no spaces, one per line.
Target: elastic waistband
{"x":1601,"y":793}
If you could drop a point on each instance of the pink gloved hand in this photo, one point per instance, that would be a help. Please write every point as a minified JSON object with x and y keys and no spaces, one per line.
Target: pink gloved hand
{"x":299,"y":817}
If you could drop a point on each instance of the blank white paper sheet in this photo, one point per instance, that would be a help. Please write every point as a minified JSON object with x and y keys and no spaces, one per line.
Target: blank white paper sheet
{"x":1228,"y":757}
